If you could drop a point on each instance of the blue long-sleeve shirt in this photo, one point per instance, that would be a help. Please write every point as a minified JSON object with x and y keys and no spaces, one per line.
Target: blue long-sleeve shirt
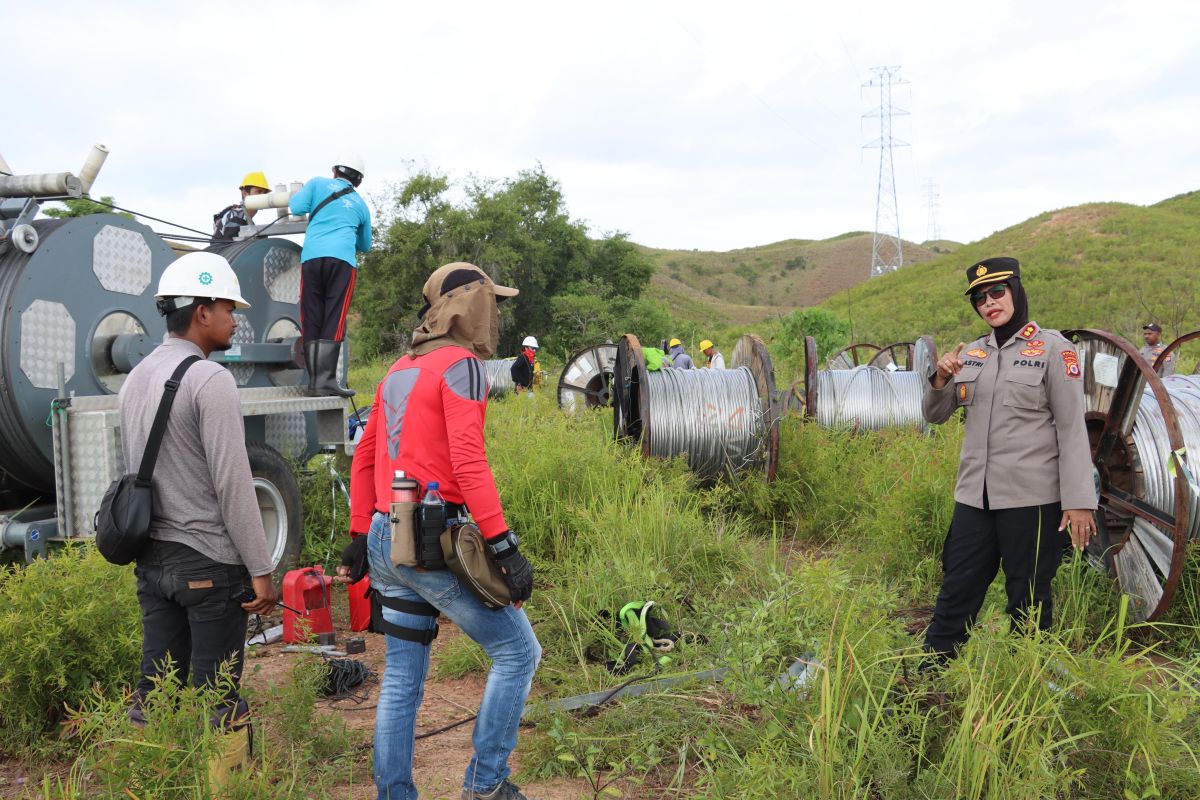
{"x":342,"y":227}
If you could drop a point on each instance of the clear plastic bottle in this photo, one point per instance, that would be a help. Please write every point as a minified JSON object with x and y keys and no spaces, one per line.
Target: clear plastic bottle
{"x":433,"y":522}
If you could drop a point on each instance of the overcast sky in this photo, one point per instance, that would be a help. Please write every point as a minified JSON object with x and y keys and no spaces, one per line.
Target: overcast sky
{"x":685,"y":124}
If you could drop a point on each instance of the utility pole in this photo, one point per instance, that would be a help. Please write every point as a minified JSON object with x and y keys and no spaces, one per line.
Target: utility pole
{"x":933,"y":231}
{"x":887,"y":253}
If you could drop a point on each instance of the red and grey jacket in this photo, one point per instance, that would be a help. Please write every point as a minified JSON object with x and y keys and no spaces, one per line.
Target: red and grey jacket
{"x":428,"y":421}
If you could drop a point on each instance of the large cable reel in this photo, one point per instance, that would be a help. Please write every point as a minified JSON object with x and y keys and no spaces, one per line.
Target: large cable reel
{"x":1147,"y":508}
{"x":587,"y":378}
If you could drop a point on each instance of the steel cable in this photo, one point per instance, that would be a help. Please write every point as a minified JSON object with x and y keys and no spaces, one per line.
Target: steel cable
{"x":869,"y":398}
{"x":714,"y":417}
{"x":1154,"y":447}
{"x":499,"y":376}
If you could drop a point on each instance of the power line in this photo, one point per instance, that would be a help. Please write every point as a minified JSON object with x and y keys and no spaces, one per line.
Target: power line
{"x":887,"y":252}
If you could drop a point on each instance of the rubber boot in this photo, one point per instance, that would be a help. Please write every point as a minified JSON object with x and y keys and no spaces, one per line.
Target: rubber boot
{"x":310,"y":364}
{"x":232,"y":754}
{"x":327,"y":362}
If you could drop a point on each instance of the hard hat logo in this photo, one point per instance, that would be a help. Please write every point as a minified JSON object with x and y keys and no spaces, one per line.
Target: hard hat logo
{"x":206,"y":278}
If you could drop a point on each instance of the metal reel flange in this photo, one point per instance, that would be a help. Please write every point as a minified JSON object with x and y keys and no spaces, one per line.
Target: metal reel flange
{"x":810,"y":377}
{"x":751,"y":352}
{"x":587,"y":378}
{"x":1142,"y":545}
{"x":631,"y":406}
{"x":1172,"y":347}
{"x":853,"y":355}
{"x":897,"y":356}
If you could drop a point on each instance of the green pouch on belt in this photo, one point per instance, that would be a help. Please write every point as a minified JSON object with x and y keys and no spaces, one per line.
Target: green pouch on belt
{"x":467,"y":557}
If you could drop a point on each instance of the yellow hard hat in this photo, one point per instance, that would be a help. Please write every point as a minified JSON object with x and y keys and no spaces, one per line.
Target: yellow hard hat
{"x":674,"y":342}
{"x":255,"y":179}
{"x":704,"y":345}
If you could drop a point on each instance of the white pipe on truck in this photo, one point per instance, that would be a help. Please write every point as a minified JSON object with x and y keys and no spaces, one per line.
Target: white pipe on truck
{"x":258,"y":202}
{"x":91,"y":166}
{"x":50,"y":184}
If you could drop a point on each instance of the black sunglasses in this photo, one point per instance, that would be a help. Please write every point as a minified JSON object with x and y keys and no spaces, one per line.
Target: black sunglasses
{"x":995,"y":291}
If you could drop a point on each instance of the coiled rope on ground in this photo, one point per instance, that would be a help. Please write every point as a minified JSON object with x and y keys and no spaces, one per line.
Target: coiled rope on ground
{"x":715,"y":417}
{"x":869,"y":398}
{"x":1154,"y":448}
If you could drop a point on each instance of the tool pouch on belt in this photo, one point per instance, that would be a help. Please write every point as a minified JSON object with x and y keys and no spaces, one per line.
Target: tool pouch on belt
{"x":404,"y":534}
{"x":468,"y":558}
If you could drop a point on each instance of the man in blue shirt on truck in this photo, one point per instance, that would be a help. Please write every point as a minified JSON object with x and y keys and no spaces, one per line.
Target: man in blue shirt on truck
{"x":339,"y":227}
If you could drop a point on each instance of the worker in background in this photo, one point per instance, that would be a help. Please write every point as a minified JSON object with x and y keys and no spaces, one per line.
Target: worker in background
{"x":679,"y":357}
{"x":207,"y":545}
{"x":229,"y":221}
{"x":1152,"y":335}
{"x":339,"y":227}
{"x":429,"y":423}
{"x":715,"y":359}
{"x":1025,"y":473}
{"x":525,"y":369}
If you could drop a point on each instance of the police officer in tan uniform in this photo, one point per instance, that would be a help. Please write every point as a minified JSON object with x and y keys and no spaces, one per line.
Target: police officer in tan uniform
{"x":1152,"y":334}
{"x":1025,"y":474}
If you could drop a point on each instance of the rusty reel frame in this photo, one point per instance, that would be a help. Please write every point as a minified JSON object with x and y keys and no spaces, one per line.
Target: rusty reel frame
{"x":1133,"y":536}
{"x":588,"y":375}
{"x":1172,"y":347}
{"x":852,"y":355}
{"x":898,"y":354}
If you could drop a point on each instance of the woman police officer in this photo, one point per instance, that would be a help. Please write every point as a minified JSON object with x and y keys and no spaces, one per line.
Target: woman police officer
{"x":1025,"y":474}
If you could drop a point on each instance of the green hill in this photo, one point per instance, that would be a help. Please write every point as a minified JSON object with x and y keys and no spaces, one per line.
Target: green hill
{"x":741,"y":287}
{"x":1104,"y":265}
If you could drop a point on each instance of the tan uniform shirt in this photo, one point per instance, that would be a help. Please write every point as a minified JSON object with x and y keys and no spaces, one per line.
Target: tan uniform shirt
{"x":1025,"y":437}
{"x":1151,"y":353}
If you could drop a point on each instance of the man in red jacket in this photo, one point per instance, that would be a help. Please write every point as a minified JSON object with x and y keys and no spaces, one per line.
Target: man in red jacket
{"x":428,"y":421}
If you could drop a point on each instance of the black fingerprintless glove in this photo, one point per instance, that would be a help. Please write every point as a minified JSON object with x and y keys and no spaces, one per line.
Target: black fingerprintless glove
{"x":355,"y":557}
{"x":517,"y":574}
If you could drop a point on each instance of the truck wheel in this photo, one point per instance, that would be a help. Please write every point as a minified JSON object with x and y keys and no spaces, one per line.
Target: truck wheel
{"x":279,"y":503}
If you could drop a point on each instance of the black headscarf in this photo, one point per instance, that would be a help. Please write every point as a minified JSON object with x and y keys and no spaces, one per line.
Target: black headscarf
{"x":1020,"y":317}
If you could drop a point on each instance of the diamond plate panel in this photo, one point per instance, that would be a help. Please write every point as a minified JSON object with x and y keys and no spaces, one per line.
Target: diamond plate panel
{"x":47,"y":338}
{"x":244,"y":334}
{"x":287,"y":433}
{"x":281,"y":275}
{"x":121,"y":260}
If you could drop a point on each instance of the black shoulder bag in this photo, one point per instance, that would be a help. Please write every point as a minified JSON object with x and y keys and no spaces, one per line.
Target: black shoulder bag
{"x":123,"y":521}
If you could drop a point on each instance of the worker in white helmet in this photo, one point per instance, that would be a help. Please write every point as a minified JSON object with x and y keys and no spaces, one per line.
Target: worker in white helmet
{"x":206,"y":565}
{"x":525,"y":369}
{"x":229,"y":220}
{"x":339,"y":227}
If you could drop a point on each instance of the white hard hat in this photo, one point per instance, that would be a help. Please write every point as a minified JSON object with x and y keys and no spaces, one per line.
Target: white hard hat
{"x":530,"y":342}
{"x":352,"y":162}
{"x":202,"y":275}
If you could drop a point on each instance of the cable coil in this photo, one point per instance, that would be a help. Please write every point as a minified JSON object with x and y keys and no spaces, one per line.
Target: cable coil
{"x":1150,"y":440}
{"x":722,"y":421}
{"x":869,"y":397}
{"x":499,"y":375}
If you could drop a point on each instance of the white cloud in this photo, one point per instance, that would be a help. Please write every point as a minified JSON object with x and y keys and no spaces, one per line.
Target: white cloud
{"x":687,"y":124}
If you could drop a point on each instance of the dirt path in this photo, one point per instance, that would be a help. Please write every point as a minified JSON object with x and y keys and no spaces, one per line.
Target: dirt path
{"x":440,"y":760}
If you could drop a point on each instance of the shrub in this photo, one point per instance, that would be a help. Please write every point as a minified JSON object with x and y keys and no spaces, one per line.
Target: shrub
{"x":68,"y":623}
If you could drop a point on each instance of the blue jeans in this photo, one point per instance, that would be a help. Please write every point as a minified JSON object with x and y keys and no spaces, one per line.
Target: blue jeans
{"x":505,"y":635}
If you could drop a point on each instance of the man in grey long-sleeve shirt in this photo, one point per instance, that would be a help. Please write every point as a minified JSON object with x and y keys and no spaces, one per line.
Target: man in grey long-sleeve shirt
{"x":207,"y":543}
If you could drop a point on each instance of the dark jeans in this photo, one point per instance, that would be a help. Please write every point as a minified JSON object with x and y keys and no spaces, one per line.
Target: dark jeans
{"x":190,"y":621}
{"x":326,"y":286}
{"x":1025,"y":541}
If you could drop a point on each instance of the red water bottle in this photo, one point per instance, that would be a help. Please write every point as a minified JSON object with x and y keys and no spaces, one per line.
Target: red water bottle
{"x":404,"y":488}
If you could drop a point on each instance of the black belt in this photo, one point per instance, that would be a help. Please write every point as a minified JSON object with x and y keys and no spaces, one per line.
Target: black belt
{"x":418,"y":635}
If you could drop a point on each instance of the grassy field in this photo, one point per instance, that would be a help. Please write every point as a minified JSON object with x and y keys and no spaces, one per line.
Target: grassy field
{"x":835,"y":564}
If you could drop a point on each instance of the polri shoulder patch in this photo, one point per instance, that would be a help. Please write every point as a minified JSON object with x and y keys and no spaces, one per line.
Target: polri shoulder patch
{"x":467,"y":379}
{"x":1071,"y":364}
{"x":1028,"y":331}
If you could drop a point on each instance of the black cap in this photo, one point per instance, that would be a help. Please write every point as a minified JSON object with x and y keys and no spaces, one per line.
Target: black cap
{"x":992,"y":270}
{"x":1152,"y":326}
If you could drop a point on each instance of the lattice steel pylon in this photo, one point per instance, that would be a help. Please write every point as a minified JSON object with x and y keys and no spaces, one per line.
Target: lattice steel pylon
{"x":933,"y":229}
{"x":887,"y":251}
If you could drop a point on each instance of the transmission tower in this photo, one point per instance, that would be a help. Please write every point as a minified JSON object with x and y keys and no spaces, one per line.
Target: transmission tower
{"x":933,"y":231}
{"x":887,"y":253}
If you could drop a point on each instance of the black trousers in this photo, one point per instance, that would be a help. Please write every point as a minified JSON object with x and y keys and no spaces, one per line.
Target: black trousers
{"x":1024,"y":541}
{"x":326,"y":287}
{"x":190,"y":619}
